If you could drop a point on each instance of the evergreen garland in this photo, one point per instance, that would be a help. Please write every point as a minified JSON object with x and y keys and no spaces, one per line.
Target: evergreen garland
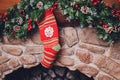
{"x":22,"y":19}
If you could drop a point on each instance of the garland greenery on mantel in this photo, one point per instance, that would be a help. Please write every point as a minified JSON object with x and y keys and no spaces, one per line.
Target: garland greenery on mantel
{"x":22,"y":19}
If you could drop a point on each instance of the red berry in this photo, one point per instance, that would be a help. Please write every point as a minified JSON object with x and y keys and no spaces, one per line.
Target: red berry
{"x":29,"y":27}
{"x":6,"y":19}
{"x":22,"y":11}
{"x":104,"y":26}
{"x":76,"y":6}
{"x":56,"y":3}
{"x":95,"y":3}
{"x":98,"y":2}
{"x":100,"y":22}
{"x":92,"y":0}
{"x":113,"y":11}
{"x":30,"y":20}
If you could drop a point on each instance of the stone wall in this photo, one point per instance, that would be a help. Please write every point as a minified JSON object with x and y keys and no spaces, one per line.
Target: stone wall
{"x":81,"y":50}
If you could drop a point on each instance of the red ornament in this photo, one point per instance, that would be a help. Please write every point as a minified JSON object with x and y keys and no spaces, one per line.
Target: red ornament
{"x":113,"y":11}
{"x":30,"y":20}
{"x":22,"y":11}
{"x":95,"y":3}
{"x":91,"y":0}
{"x":76,"y":6}
{"x":104,"y":26}
{"x":29,"y":27}
{"x":29,"y":24}
{"x":6,"y":19}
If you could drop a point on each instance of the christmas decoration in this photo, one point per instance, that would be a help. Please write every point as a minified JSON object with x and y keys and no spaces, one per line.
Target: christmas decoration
{"x":49,"y":36}
{"x":92,"y":13}
{"x":22,"y":18}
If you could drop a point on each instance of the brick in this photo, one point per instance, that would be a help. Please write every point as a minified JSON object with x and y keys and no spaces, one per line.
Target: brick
{"x":67,"y":51}
{"x":4,"y":67}
{"x":88,"y":70}
{"x":4,"y":59}
{"x":114,"y":51}
{"x":66,"y":61}
{"x":15,"y":41}
{"x":69,"y":36}
{"x":84,"y":56}
{"x":89,"y":35}
{"x":14,"y":63}
{"x":108,"y":65}
{"x":104,"y":77}
{"x":28,"y":59}
{"x":92,"y":48}
{"x":16,"y":51}
{"x":34,"y":49}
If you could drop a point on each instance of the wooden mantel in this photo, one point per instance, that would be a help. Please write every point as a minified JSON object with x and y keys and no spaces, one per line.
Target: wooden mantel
{"x":4,"y":4}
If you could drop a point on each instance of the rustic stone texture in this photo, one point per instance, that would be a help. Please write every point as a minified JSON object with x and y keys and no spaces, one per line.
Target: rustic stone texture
{"x":84,"y":56}
{"x":39,"y":57}
{"x":5,"y":40}
{"x":34,"y":49}
{"x":57,"y":63}
{"x":4,"y":59}
{"x":16,"y":51}
{"x":0,"y":53}
{"x":67,"y":51}
{"x":89,"y":44}
{"x":69,"y":35}
{"x":88,"y":70}
{"x":114,"y":51}
{"x":28,"y":59}
{"x":92,"y":48}
{"x":15,"y":41}
{"x":14,"y":63}
{"x":89,"y":35}
{"x":36,"y":38}
{"x":4,"y":67}
{"x":108,"y":65}
{"x":66,"y":61}
{"x":27,"y":42}
{"x":104,"y":77}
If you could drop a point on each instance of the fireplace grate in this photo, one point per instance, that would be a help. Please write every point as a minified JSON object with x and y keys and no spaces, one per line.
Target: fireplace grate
{"x":40,"y":73}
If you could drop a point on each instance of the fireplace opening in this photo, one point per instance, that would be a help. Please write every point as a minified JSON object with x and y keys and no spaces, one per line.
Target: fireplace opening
{"x":40,"y":73}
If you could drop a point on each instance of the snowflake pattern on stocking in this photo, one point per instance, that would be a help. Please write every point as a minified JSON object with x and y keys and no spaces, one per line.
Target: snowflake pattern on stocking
{"x":49,"y":31}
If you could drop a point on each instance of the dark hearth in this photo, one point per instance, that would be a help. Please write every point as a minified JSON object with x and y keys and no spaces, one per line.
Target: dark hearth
{"x":40,"y":73}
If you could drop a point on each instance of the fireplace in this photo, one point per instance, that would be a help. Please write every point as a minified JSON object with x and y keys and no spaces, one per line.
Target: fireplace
{"x":80,"y":51}
{"x":41,"y":73}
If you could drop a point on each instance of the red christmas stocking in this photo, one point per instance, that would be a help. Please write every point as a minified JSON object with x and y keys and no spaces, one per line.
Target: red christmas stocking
{"x":49,"y":36}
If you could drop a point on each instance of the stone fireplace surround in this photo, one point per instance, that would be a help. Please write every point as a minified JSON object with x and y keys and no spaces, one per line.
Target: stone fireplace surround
{"x":81,"y":50}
